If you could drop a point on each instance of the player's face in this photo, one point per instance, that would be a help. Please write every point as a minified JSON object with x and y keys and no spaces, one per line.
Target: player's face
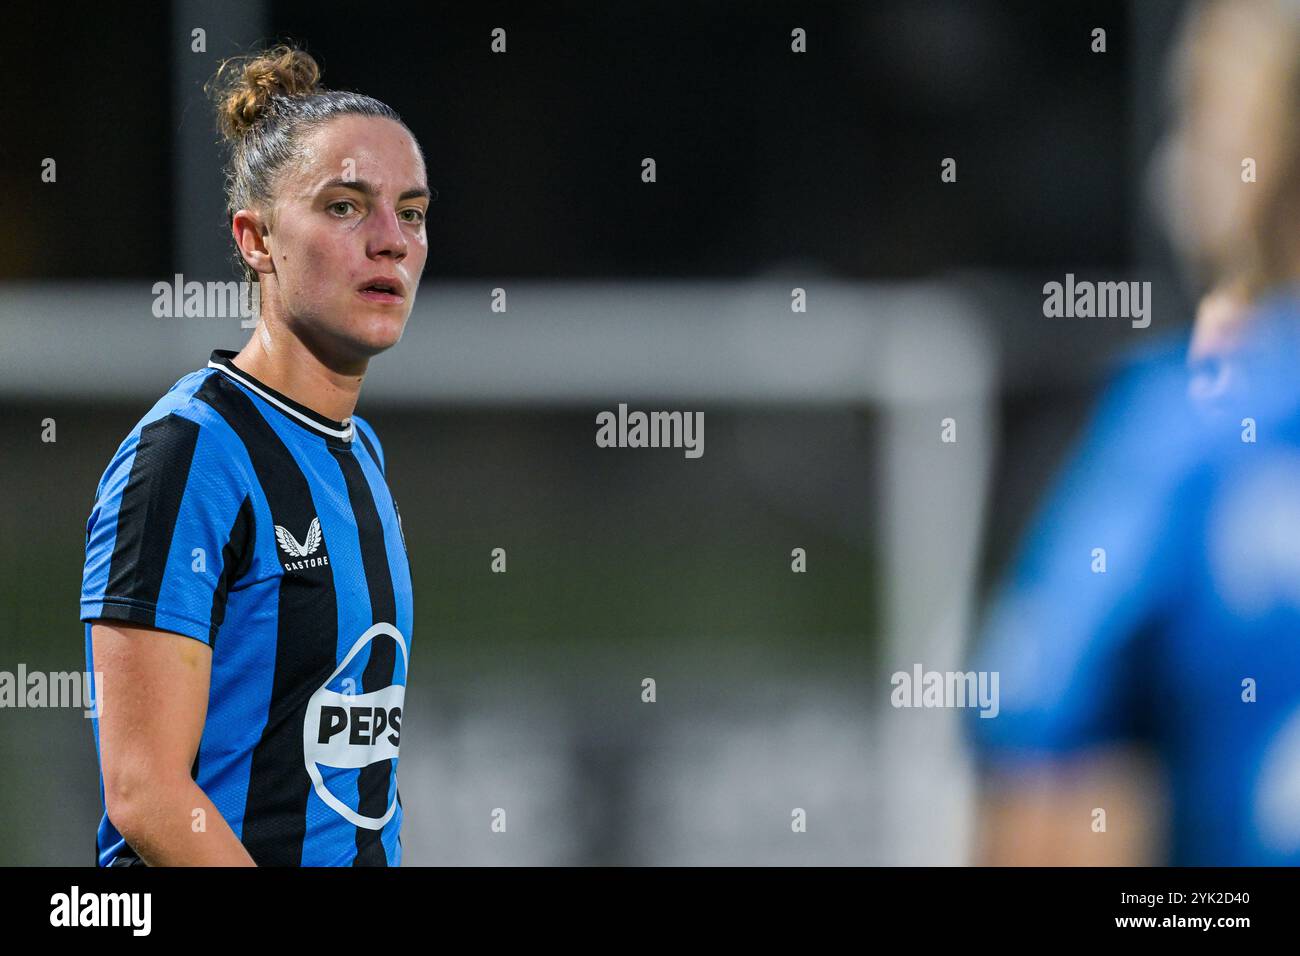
{"x":351,"y":214}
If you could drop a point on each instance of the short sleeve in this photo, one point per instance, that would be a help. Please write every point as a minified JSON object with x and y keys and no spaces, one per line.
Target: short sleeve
{"x":170,"y":532}
{"x":1072,"y":633}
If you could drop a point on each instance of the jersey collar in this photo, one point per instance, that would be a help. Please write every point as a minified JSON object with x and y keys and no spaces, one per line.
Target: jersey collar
{"x":221,"y":360}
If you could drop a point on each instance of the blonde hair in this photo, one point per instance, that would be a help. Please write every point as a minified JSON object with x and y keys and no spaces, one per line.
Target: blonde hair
{"x":1263,"y":251}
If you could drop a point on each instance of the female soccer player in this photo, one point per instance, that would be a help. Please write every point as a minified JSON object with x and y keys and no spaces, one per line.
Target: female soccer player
{"x":246,"y":587}
{"x":1177,"y":660}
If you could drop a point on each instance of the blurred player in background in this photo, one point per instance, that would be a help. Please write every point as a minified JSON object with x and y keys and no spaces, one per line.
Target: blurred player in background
{"x":1148,"y":636}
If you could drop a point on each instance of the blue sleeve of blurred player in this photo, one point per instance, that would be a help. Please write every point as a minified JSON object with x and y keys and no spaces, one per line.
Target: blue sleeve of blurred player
{"x":1070,"y":643}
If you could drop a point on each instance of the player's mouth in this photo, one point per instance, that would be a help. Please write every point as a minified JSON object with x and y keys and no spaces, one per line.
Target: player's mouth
{"x":382,"y":289}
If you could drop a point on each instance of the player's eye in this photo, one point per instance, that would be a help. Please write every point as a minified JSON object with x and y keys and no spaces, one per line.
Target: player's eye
{"x":345,"y":203}
{"x":419,"y":214}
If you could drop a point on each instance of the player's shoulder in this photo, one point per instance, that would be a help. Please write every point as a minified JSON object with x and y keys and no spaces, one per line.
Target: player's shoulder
{"x":368,"y":437}
{"x":1148,"y":417}
{"x":184,"y":409}
{"x":178,"y":431}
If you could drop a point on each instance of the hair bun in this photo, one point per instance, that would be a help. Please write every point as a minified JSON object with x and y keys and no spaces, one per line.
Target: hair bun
{"x":244,"y":86}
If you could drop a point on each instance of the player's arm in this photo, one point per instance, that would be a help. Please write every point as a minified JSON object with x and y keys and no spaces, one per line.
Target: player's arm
{"x":1068,"y":771}
{"x":153,"y":703}
{"x":169,"y":538}
{"x":1095,"y":809}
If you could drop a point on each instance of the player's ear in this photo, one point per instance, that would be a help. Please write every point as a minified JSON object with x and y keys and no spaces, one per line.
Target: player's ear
{"x":251,"y":233}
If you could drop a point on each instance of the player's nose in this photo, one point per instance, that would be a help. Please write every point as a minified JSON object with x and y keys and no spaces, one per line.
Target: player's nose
{"x":385,"y":237}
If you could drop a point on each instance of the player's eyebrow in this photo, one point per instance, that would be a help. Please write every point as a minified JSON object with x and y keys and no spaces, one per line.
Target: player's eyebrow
{"x":362,"y":186}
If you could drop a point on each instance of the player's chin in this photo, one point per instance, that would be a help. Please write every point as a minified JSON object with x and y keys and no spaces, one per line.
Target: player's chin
{"x":377,"y":331}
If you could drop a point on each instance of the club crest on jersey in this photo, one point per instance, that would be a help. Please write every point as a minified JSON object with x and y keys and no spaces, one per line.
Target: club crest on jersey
{"x":301,"y":553}
{"x":345,"y":730}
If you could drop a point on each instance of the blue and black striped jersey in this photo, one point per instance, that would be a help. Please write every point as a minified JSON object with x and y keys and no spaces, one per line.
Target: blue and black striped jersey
{"x":243,"y":519}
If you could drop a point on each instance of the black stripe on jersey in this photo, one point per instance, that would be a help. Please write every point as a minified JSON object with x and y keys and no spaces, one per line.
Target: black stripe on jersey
{"x":373,"y":780}
{"x":236,"y":558}
{"x":146,"y":518}
{"x":371,"y":448}
{"x":275,"y":812}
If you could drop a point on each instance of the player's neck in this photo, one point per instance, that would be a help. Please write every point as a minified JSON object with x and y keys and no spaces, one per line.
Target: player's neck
{"x":287,"y":365}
